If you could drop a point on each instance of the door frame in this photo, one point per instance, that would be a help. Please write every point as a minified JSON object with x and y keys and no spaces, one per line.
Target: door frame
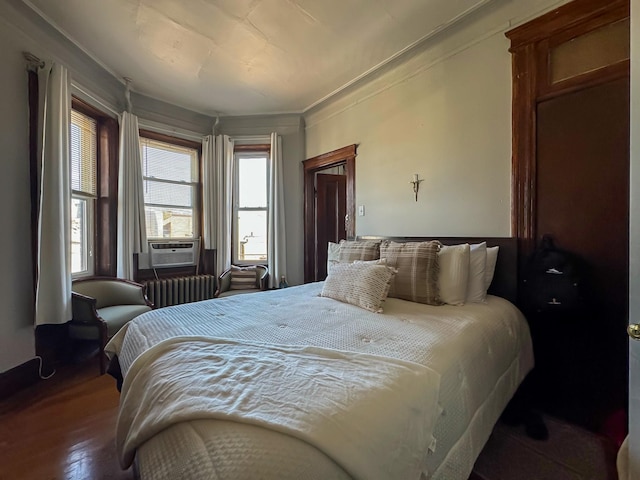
{"x":531,"y":45}
{"x":343,"y":156}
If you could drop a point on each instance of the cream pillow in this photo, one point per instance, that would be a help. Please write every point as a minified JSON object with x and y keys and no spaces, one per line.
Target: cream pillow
{"x":363,"y":284}
{"x":490,"y":268}
{"x":476,"y":292}
{"x":454,"y":273}
{"x":333,"y":255}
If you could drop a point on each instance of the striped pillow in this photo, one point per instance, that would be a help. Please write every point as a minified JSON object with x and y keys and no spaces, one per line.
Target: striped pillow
{"x":243,"y":278}
{"x":418,"y":269}
{"x":352,"y":250}
{"x":349,"y":251}
{"x":364,"y":285}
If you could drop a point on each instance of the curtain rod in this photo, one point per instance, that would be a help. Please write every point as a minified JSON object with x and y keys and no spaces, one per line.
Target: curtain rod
{"x":32,"y":60}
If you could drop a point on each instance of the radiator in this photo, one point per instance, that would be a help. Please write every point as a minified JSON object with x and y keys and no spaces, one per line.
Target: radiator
{"x":174,"y":291}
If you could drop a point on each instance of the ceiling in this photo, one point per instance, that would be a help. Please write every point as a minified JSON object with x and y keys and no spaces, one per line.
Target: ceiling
{"x":240,"y":57}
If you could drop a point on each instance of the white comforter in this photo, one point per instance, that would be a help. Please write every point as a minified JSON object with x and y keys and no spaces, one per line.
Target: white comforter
{"x":374,"y":416}
{"x":481,"y":352}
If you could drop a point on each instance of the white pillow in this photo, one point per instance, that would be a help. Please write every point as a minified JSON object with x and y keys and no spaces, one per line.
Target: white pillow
{"x":454,"y":273}
{"x":490,"y":268}
{"x":476,"y":293}
{"x":361,"y":284}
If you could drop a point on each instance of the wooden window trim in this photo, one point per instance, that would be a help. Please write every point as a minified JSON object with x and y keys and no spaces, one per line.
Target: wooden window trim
{"x":257,"y":148}
{"x":206,"y":261}
{"x":106,"y":206}
{"x":253,"y":151}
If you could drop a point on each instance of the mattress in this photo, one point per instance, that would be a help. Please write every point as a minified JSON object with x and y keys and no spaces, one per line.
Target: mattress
{"x":481,"y":353}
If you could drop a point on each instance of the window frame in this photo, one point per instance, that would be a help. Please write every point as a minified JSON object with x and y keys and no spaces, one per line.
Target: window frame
{"x":105,"y":205}
{"x":196,"y":195}
{"x":247,"y":151}
{"x":90,"y":223}
{"x":89,"y":234}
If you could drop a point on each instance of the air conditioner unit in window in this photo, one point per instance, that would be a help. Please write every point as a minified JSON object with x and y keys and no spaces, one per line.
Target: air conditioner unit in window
{"x":178,"y":253}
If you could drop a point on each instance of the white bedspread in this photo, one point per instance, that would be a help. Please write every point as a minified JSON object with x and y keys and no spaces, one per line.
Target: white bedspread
{"x":374,"y":416}
{"x":481,"y":352}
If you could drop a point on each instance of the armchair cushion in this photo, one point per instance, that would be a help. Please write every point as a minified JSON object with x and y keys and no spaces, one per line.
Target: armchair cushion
{"x":115,"y":317}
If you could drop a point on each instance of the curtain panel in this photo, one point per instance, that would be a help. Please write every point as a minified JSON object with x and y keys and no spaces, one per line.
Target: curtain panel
{"x":276,"y":234}
{"x":224,"y":201}
{"x":53,"y":284}
{"x":132,"y":230}
{"x":209,"y":199}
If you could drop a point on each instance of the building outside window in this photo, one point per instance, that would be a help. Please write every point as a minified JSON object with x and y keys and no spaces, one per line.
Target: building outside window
{"x":251,"y":208}
{"x":170,"y":177}
{"x":83,"y":146}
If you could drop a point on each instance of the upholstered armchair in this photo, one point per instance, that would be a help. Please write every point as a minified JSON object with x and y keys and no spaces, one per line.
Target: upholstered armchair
{"x":236,"y":280}
{"x":102,"y":306}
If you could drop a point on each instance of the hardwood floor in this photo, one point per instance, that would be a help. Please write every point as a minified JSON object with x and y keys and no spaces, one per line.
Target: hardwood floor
{"x":62,"y":428}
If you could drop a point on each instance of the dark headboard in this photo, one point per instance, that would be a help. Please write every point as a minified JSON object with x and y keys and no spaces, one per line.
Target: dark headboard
{"x":505,"y":278}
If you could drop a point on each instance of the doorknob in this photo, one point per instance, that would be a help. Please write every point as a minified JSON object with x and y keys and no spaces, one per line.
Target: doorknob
{"x":634,"y":331}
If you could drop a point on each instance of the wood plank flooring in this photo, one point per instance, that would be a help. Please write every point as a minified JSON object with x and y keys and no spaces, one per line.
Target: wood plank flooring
{"x":62,"y":428}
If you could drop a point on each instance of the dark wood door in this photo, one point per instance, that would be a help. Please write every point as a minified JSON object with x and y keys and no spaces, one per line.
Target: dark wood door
{"x":582,"y":192}
{"x":583,"y":182}
{"x":331,"y":208}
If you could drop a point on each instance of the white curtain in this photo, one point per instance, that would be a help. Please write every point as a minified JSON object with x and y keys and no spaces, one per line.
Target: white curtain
{"x":209,"y":200}
{"x":132,"y":230}
{"x":53,"y":285}
{"x":276,"y":241}
{"x":223,"y":171}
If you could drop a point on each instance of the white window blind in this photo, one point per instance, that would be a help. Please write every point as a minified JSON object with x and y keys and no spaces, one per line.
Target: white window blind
{"x":84,"y":160}
{"x":83,"y":154}
{"x":170,"y":176}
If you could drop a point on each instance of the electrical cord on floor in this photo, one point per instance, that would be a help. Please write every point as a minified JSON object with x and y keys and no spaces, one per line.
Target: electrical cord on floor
{"x":44,"y":377}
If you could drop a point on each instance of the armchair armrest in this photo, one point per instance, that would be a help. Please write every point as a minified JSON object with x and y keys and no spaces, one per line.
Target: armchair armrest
{"x":85,"y":313}
{"x":224,"y":282}
{"x":84,"y":308}
{"x":263,"y":279}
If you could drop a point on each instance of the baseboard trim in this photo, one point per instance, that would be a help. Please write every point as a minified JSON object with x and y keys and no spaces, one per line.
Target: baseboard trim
{"x":19,"y":377}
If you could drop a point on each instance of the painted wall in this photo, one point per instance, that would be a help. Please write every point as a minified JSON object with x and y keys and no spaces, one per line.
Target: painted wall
{"x":16,"y":297}
{"x":443,"y":113}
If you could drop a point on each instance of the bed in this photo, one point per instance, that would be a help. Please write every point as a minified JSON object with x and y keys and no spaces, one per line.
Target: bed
{"x":289,"y":384}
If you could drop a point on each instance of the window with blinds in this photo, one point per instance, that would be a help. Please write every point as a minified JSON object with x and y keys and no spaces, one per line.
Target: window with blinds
{"x":170,"y":177}
{"x":83,"y":154}
{"x":84,"y":159}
